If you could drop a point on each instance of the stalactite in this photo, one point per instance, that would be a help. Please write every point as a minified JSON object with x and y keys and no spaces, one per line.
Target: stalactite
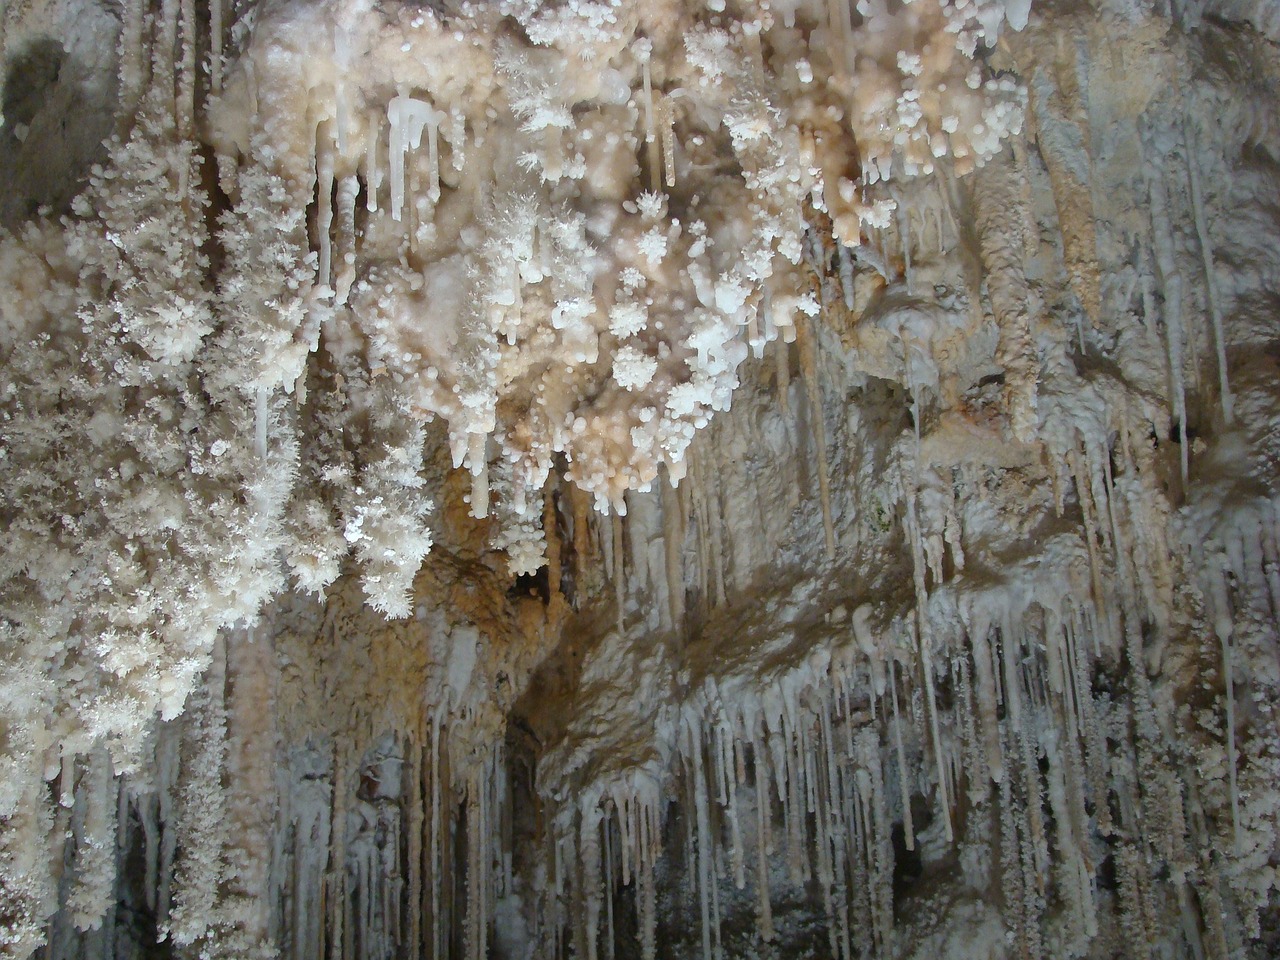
{"x":250,"y":758}
{"x":1222,"y":628}
{"x":807,"y":347}
{"x":924,"y":640}
{"x":132,"y":54}
{"x":324,"y":204}
{"x":94,"y":869}
{"x":998,"y":204}
{"x":904,"y":789}
{"x":199,"y":867}
{"x":185,"y":109}
{"x":1063,"y":145}
{"x":1210,"y":278}
{"x":673,"y":541}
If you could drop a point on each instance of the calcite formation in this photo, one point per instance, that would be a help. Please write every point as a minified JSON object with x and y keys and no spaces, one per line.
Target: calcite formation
{"x":639,"y":479}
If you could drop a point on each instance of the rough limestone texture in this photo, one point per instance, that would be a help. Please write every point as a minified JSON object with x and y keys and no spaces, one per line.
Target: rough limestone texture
{"x":634,"y":479}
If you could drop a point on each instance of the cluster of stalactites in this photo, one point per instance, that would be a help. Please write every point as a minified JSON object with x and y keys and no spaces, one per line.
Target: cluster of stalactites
{"x":544,"y":248}
{"x":799,"y":784}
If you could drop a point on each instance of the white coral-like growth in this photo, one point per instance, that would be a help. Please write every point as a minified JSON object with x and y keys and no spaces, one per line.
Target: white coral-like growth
{"x":542,"y":294}
{"x":632,"y":369}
